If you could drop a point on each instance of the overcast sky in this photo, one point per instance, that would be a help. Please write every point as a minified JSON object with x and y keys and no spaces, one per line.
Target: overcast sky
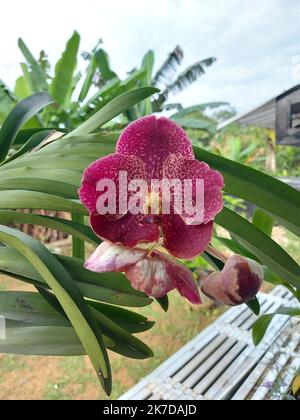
{"x":257,"y":42}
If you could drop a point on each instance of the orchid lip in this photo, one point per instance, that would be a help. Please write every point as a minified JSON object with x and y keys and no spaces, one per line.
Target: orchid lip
{"x":148,"y":269}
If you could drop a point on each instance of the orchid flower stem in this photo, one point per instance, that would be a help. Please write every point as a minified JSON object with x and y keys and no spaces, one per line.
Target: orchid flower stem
{"x":214,"y":252}
{"x":155,"y":245}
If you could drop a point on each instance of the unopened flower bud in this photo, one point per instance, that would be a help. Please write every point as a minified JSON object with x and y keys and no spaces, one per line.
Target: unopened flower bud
{"x":238,"y":282}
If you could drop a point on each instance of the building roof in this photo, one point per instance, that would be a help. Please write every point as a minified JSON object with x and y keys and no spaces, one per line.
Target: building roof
{"x":262,"y":116}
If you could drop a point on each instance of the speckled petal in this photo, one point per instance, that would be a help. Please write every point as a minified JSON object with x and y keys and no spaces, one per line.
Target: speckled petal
{"x":185,"y":241}
{"x":113,"y":258}
{"x":108,"y":167}
{"x":129,"y":230}
{"x":238,"y":282}
{"x":150,"y":276}
{"x":153,"y":140}
{"x":178,"y":167}
{"x":183,"y":277}
{"x":159,"y":273}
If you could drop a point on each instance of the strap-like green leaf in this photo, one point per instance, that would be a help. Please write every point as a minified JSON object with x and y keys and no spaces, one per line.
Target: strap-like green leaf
{"x":112,"y":288}
{"x":273,"y":196}
{"x":38,"y":78}
{"x":102,"y":61}
{"x":31,"y":143}
{"x":17,"y":199}
{"x":120,"y":104}
{"x":75,"y":229}
{"x":263,"y":222}
{"x":69,"y":176}
{"x":147,"y":64}
{"x":62,"y":82}
{"x":130,"y":345}
{"x":68,"y":295}
{"x":58,"y":188}
{"x":254,"y":306}
{"x":261,"y":326}
{"x":22,"y":112}
{"x":88,"y":81}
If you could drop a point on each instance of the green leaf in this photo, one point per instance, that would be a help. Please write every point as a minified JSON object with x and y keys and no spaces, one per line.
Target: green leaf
{"x":68,"y":295}
{"x":147,"y":64}
{"x":124,"y":342}
{"x":263,"y":221}
{"x":24,"y":135}
{"x":17,"y":199}
{"x":112,"y":288}
{"x":130,"y":321}
{"x":58,"y":188}
{"x":34,"y":327}
{"x":271,"y":195}
{"x":88,"y":81}
{"x":254,"y":306}
{"x":137,"y":348}
{"x":62,"y":161}
{"x":77,"y":230}
{"x":78,"y":247}
{"x":69,"y":176}
{"x":120,"y":104}
{"x":163,"y":303}
{"x":196,"y":124}
{"x":38,"y":76}
{"x":7,"y":101}
{"x":33,"y":142}
{"x":102,"y":61}
{"x":62,"y":82}
{"x":236,"y":247}
{"x":42,"y":341}
{"x":201,"y":108}
{"x":23,"y":111}
{"x":261,"y":326}
{"x":213,"y":261}
{"x":262,"y":246}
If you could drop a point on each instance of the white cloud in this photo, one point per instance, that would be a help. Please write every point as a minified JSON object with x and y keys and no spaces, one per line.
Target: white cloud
{"x":255,"y":42}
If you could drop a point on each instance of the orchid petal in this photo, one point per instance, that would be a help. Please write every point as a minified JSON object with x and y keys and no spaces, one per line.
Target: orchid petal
{"x":151,"y":277}
{"x":183,"y":277}
{"x":185,"y":241}
{"x":178,"y":167}
{"x":113,"y":258}
{"x":108,"y":168}
{"x":158,"y":274}
{"x":129,"y":230}
{"x":153,"y":140}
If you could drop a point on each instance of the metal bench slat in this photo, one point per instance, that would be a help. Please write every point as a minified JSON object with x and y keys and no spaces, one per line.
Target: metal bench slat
{"x":216,"y":362}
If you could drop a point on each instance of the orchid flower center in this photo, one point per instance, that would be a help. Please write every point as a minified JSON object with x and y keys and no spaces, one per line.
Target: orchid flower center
{"x":153,"y":203}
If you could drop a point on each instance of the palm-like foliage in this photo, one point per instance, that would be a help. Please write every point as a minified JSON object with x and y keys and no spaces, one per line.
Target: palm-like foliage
{"x":99,"y":85}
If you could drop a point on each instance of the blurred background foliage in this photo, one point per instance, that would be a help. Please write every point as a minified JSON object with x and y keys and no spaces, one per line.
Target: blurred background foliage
{"x":80,"y":94}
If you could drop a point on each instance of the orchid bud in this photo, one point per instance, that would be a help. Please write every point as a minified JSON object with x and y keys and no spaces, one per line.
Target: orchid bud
{"x":238,"y":282}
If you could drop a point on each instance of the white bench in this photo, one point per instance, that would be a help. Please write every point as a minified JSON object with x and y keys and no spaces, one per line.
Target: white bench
{"x":222,"y":363}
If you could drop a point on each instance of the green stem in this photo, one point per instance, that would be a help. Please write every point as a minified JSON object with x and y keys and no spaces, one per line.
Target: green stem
{"x":78,"y":245}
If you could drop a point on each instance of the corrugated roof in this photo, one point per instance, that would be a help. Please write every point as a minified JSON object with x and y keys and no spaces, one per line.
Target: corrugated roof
{"x":262,"y":116}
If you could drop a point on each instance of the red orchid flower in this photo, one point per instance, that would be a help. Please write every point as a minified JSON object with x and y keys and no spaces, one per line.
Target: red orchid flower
{"x":238,"y":282}
{"x":152,"y":272}
{"x":153,"y":148}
